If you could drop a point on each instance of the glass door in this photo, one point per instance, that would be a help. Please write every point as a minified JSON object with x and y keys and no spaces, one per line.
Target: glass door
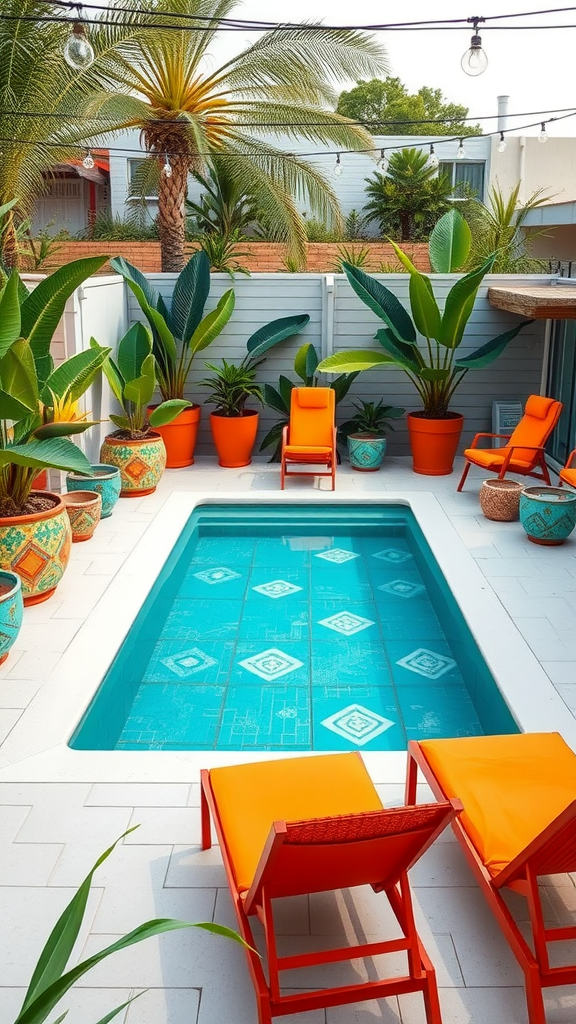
{"x":562,"y":385}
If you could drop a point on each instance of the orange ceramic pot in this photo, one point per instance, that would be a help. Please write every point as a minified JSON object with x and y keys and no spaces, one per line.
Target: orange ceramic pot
{"x":434,"y":443}
{"x":179,"y":437}
{"x":141,"y":462}
{"x":234,"y":437}
{"x":37,"y":547}
{"x":40,"y":482}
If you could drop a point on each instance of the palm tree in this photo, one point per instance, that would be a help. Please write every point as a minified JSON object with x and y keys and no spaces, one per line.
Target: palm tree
{"x":410,"y":198}
{"x":497,"y":227}
{"x":281,"y":85}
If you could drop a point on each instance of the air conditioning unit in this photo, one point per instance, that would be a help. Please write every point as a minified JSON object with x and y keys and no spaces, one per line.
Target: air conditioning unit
{"x":506,"y":415}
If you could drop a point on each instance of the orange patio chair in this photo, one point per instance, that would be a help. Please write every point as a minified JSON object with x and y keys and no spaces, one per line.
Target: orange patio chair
{"x":314,"y":824}
{"x":568,"y":474}
{"x":524,"y":452}
{"x":518,"y":822}
{"x":310,"y":436}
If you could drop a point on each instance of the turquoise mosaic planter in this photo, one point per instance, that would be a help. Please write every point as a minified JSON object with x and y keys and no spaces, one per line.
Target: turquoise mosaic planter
{"x":11,"y":609}
{"x":366,"y":453}
{"x":548,"y":514}
{"x":106,"y":482}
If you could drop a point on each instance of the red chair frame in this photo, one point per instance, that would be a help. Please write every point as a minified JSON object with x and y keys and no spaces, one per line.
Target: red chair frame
{"x":568,"y":465}
{"x":540,"y":461}
{"x":322,"y":854}
{"x":552,"y":852}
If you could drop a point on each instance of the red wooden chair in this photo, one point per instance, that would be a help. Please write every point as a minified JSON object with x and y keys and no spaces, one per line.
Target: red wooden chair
{"x":518,"y":822}
{"x":314,"y":824}
{"x":568,"y":474}
{"x":524,"y":452}
{"x":310,"y":436}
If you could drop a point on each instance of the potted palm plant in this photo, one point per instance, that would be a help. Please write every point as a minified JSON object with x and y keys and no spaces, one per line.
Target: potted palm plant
{"x":365,"y":433}
{"x":433,"y":367}
{"x":136,"y":448}
{"x":39,"y":413}
{"x":233,"y":427}
{"x":179,"y":331}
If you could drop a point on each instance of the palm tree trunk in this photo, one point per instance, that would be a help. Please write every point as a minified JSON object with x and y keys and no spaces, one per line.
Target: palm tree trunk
{"x":171,"y":196}
{"x":9,"y":251}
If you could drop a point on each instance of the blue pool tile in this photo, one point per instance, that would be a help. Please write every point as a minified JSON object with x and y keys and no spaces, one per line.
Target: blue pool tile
{"x":357,"y":621}
{"x":238,"y":551}
{"x":418,"y":622}
{"x":268,"y":578}
{"x":278,"y":620}
{"x":184,"y":716}
{"x":348,"y":581}
{"x":349,"y":721}
{"x":438,"y":712}
{"x":202,"y":620}
{"x":282,"y":552}
{"x":354,"y":665}
{"x":283,"y":663}
{"x":179,"y":661}
{"x":432,"y":663}
{"x":226,"y":589}
{"x":260,"y":717}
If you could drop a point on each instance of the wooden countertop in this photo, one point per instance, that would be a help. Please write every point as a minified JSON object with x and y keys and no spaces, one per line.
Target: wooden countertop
{"x":542,"y":302}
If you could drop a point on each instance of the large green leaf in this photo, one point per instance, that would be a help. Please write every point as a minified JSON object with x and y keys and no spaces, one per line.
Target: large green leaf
{"x":63,"y":429}
{"x":422,"y":300}
{"x":75,"y":375}
{"x":286,"y":387}
{"x":140,"y":390}
{"x":114,"y":1013}
{"x":167,"y":411}
{"x":488,"y":353}
{"x":382,"y":302}
{"x":9,"y":313}
{"x":459,"y":305}
{"x":42,"y":310}
{"x":18,"y":375}
{"x":277,"y":330}
{"x":408,"y":356}
{"x":190,"y":294}
{"x":354,"y":361}
{"x":213,"y":323}
{"x":273,"y":399}
{"x":129,"y":272}
{"x":341,"y":385}
{"x":449,"y":243}
{"x":55,"y":453}
{"x":306,"y":362}
{"x":432,"y":373}
{"x":11,"y":409}
{"x":133,"y":349}
{"x":162,"y":334}
{"x":7,"y":206}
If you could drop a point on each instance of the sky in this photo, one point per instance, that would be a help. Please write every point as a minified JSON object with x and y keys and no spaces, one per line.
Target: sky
{"x":534,"y":68}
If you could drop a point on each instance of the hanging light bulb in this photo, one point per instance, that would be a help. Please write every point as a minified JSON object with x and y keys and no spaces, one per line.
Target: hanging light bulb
{"x":543,"y":137}
{"x":383,"y":161}
{"x":460,"y":153}
{"x":167,"y":169}
{"x":88,"y":161}
{"x":433,"y":160}
{"x":502,"y":144}
{"x":338,"y":169}
{"x":474,"y":61}
{"x":78,"y":52}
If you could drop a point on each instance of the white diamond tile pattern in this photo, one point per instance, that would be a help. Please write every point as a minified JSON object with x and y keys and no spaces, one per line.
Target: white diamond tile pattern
{"x":357,"y":724}
{"x":271,"y":664}
{"x":188,"y":662}
{"x":346,"y":623}
{"x":337,"y":555}
{"x":393,"y":555}
{"x":427,"y":663}
{"x":219,"y":575}
{"x":402,"y":588}
{"x":277,"y":588}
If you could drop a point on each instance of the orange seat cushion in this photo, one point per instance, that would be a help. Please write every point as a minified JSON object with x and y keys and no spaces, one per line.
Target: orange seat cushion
{"x":511,"y":787}
{"x":301,"y":450}
{"x":568,"y":476}
{"x":251,"y":797}
{"x":489,"y":458}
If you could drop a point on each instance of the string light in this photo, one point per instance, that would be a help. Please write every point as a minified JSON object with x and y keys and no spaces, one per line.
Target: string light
{"x":88,"y":161}
{"x":543,"y":137}
{"x":474,"y":61}
{"x":338,"y":169}
{"x":461,"y":153}
{"x":78,"y":51}
{"x":502,"y":144}
{"x":382,"y":163}
{"x":433,"y":160}
{"x":167,"y":169}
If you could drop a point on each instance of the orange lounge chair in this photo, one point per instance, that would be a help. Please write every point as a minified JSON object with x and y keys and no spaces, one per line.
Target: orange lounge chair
{"x":518,"y":822}
{"x":568,"y":474}
{"x":315,"y":824}
{"x":310,"y":436}
{"x":524,"y":452}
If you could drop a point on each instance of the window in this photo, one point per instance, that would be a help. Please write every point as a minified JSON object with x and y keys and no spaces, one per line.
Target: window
{"x":133,"y":166}
{"x":459,"y":171}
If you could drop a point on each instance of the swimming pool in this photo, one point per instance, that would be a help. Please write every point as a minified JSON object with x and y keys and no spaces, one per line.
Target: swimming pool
{"x":292,"y":628}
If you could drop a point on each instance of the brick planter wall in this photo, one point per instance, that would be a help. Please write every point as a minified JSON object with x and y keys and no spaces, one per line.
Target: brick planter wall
{"x":264,"y":257}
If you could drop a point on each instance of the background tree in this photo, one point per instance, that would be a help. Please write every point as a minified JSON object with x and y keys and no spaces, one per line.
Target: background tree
{"x":408,"y":200}
{"x":378,"y":101}
{"x":224,"y":206}
{"x":497,"y":227}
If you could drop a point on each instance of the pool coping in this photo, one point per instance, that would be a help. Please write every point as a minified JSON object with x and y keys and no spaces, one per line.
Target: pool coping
{"x":36,"y":749}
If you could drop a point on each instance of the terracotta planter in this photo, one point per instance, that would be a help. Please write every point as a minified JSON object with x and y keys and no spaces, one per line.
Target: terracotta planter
{"x":141,"y":463}
{"x":11,"y":609}
{"x":366,"y":452}
{"x":40,"y":482}
{"x":37,"y":547}
{"x":84,"y":510}
{"x":106,"y":482}
{"x":180,"y":437}
{"x":434,"y":443}
{"x":234,"y":438}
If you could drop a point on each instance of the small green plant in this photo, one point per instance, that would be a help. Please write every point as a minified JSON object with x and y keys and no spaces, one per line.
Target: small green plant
{"x":136,"y":227}
{"x":224,"y":251}
{"x":352,"y":256}
{"x":132,"y":380}
{"x":291,"y":264}
{"x":317,"y":231}
{"x":51,"y":981}
{"x":370,"y":419}
{"x":391,"y":267}
{"x":231,"y":386}
{"x":355,"y":227}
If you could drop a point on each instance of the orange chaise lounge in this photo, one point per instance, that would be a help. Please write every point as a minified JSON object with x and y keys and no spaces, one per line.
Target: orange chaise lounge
{"x":524,"y":449}
{"x":568,"y":474}
{"x":310,"y":436}
{"x":315,"y":824}
{"x":519,"y":822}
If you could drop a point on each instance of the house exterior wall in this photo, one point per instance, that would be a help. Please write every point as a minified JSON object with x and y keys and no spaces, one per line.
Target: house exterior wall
{"x":535,"y":166}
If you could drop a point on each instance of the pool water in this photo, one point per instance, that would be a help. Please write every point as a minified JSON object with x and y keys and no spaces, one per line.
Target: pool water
{"x":296,"y":628}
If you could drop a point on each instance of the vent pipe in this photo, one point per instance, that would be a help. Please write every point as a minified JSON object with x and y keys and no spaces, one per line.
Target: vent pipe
{"x":502,"y":112}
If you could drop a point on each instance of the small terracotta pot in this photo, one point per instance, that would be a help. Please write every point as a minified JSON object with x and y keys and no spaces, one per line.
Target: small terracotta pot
{"x":11,"y":610}
{"x":179,"y":437}
{"x":434,"y":443}
{"x":84,"y":510}
{"x":500,"y":499}
{"x":234,"y":438}
{"x":37,"y":547}
{"x":141,"y":463}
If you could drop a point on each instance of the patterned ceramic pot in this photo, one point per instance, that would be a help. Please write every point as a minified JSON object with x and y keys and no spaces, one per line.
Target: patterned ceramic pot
{"x":548,"y":514}
{"x":11,"y":609}
{"x":366,"y":452}
{"x":37,"y":548}
{"x":84,"y":510}
{"x":106,"y":482}
{"x":141,"y":463}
